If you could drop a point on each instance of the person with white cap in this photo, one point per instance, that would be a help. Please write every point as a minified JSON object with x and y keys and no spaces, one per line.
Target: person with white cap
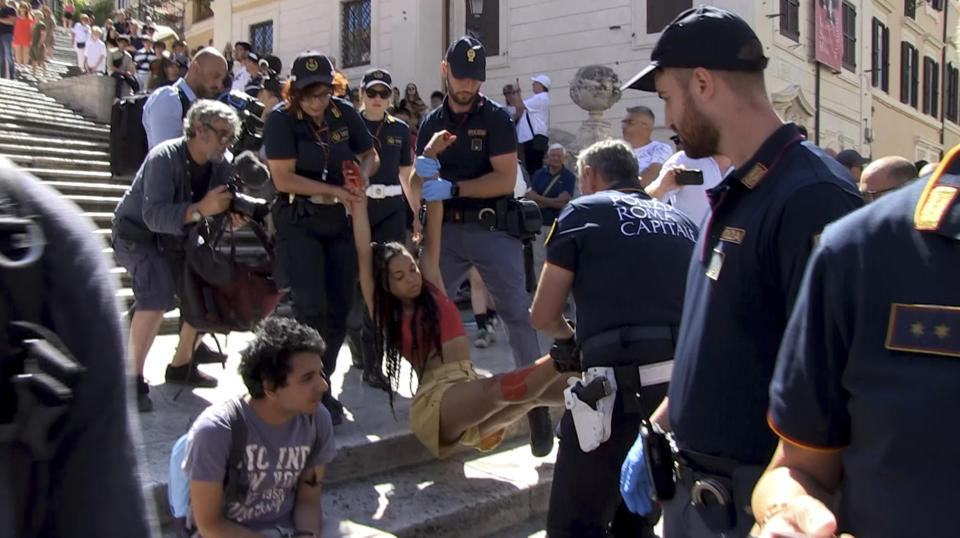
{"x":532,"y":117}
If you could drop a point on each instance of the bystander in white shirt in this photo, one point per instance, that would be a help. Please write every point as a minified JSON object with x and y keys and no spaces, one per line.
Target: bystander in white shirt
{"x":690,"y":199}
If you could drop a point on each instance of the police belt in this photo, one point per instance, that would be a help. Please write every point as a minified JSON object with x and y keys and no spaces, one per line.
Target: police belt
{"x":490,"y":212}
{"x":650,"y":347}
{"x":318,"y":199}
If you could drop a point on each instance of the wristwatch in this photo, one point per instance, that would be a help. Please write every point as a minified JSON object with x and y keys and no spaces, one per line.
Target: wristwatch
{"x":196,"y":215}
{"x":455,"y":190}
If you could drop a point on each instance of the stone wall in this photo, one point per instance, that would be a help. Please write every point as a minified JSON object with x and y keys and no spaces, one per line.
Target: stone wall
{"x":91,"y":95}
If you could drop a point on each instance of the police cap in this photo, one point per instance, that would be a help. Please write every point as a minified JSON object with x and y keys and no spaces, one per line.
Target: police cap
{"x":377,"y":76}
{"x":311,"y":67}
{"x":466,"y":58}
{"x":707,"y":37}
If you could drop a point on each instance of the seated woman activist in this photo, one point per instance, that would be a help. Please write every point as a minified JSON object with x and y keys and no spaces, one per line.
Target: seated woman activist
{"x":416,"y":320}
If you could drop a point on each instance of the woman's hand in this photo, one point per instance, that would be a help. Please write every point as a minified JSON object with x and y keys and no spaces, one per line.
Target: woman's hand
{"x":440,"y":141}
{"x":802,"y":515}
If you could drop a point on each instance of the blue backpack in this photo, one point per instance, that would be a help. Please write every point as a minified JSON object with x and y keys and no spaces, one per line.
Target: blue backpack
{"x":235,"y":484}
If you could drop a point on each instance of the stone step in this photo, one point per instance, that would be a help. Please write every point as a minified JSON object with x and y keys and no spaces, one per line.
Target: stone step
{"x":64,"y":116}
{"x":72,"y":128}
{"x":25,"y":91}
{"x":468,"y":495}
{"x":15,"y":125}
{"x":45,"y":151}
{"x":56,"y":142}
{"x":92,"y":202}
{"x":20,"y":103}
{"x":533,"y":527}
{"x":80,"y":187}
{"x":61,"y":164}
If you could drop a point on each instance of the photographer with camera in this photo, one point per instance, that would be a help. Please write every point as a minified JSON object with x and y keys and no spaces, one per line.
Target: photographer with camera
{"x":308,"y":139}
{"x":180,"y":182}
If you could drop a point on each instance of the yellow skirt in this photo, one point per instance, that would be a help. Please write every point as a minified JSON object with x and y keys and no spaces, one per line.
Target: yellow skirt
{"x":425,"y":410}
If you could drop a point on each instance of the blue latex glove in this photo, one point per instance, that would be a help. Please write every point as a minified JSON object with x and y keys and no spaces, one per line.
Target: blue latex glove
{"x":436,"y":190}
{"x":427,"y":167}
{"x":636,"y":487}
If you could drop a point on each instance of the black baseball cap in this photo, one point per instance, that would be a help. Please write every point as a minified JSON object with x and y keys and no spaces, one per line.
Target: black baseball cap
{"x":707,"y":37}
{"x":851,"y":157}
{"x":466,"y":58}
{"x":311,"y":67}
{"x":376,"y":76}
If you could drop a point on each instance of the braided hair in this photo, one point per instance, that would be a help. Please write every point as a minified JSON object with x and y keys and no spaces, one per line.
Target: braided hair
{"x":388,"y":316}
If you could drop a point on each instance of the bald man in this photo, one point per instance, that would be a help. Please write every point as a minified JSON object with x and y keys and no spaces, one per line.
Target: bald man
{"x":885,"y":175}
{"x":166,"y":107}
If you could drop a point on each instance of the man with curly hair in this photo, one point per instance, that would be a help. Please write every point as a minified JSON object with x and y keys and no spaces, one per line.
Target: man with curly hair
{"x":289,"y":440}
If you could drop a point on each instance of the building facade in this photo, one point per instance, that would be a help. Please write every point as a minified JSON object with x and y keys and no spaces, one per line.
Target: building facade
{"x":895,"y":91}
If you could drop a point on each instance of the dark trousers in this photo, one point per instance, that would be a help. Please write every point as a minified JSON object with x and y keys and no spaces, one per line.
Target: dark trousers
{"x":585,"y":497}
{"x":388,"y":222}
{"x":532,"y":159}
{"x":122,"y":78}
{"x":317,"y":260}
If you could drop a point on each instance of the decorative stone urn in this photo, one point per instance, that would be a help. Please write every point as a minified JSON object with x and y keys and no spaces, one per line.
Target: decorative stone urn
{"x":595,"y":88}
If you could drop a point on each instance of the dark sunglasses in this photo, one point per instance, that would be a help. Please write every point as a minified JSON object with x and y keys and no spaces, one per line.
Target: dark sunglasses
{"x":382,"y":94}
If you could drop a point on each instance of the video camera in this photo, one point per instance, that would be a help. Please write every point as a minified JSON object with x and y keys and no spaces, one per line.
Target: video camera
{"x":249,"y":175}
{"x":251,"y":126}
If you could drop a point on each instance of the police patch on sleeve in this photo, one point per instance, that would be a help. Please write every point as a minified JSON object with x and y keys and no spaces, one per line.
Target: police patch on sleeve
{"x":918,"y":328}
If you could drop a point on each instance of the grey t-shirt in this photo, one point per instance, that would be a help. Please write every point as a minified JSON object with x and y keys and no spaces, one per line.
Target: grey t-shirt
{"x":274,"y":457}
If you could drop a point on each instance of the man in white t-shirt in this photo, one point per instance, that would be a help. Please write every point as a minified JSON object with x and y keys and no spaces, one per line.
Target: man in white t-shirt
{"x":690,"y":199}
{"x":637,"y":127}
{"x":532,"y":119}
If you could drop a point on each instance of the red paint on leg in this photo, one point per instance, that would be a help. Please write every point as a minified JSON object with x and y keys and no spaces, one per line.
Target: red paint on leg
{"x":513,"y":386}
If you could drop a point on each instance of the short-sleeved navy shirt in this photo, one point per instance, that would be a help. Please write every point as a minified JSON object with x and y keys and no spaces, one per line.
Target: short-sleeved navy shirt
{"x":391,"y":136}
{"x":743,"y":277}
{"x":292,"y":136}
{"x":623,"y":244}
{"x":870,"y":362}
{"x":484,"y":132}
{"x":543,"y":178}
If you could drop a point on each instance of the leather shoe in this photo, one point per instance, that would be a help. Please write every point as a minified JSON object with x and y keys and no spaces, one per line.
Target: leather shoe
{"x":144,"y":404}
{"x":334,"y":407}
{"x":541,"y":431}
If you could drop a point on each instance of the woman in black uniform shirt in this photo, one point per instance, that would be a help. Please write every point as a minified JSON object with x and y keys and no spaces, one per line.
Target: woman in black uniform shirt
{"x":387,"y":207}
{"x":307,"y":139}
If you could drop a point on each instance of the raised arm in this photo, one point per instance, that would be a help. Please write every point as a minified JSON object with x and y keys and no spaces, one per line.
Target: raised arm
{"x":353,"y":180}
{"x":430,"y":258}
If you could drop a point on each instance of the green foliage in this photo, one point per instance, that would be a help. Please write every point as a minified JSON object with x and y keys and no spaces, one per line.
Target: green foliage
{"x":102,"y":9}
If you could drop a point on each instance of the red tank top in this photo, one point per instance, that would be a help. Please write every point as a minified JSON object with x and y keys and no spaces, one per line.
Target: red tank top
{"x":451,"y":326}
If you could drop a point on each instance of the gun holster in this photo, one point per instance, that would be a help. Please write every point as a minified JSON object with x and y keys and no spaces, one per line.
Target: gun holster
{"x":590,"y":402}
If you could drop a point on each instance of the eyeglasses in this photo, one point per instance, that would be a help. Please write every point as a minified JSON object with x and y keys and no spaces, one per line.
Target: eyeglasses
{"x":382,"y":94}
{"x":226,"y":137}
{"x":318,"y":96}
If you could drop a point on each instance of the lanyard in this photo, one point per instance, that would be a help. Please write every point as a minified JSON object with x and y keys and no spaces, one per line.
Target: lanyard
{"x":726,"y":191}
{"x":320,"y":133}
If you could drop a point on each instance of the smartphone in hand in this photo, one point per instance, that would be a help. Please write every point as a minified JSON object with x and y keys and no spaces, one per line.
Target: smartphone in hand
{"x":690,"y":177}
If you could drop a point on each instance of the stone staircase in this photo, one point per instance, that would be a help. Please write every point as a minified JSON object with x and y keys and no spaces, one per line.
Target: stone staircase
{"x":383,"y":482}
{"x":63,"y":63}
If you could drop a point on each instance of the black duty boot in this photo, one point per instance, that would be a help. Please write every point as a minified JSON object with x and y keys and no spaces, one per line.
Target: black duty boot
{"x":334,"y":407}
{"x":205,"y":355}
{"x":541,"y":431}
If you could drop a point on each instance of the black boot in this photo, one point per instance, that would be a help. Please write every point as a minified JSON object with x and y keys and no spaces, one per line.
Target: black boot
{"x":190,"y":375}
{"x":541,"y":431}
{"x":334,"y":407}
{"x":144,"y":404}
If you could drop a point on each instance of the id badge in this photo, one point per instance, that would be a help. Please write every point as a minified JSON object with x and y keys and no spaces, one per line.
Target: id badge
{"x":716,"y":263}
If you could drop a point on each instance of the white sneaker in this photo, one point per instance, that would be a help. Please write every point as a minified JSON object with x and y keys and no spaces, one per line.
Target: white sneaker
{"x":485,"y":337}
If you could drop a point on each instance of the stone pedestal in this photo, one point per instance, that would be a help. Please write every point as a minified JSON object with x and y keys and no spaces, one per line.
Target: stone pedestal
{"x":595,"y":88}
{"x":91,"y":95}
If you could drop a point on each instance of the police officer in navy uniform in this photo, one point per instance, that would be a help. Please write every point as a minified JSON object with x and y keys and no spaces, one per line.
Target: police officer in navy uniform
{"x":613,"y":233}
{"x":386,"y":204}
{"x":477,"y":175}
{"x":307,"y":138}
{"x":867,"y":384}
{"x":747,"y":266}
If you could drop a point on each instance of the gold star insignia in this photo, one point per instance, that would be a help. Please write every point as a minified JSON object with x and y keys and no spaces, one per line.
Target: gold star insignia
{"x":942,"y":331}
{"x":917,"y":328}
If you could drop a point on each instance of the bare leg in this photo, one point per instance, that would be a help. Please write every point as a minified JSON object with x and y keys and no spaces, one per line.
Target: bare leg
{"x":478,"y":292}
{"x":143,"y":329}
{"x":472,"y":402}
{"x":188,"y":343}
{"x":551,"y":396}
